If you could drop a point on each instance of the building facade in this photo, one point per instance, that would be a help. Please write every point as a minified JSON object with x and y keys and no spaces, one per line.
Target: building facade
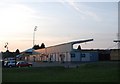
{"x":64,"y":53}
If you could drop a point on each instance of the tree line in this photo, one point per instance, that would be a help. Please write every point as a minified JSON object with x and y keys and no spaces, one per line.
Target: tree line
{"x":10,"y":54}
{"x":17,"y":52}
{"x":39,"y":47}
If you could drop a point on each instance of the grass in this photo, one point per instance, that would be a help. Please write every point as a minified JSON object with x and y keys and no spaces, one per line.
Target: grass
{"x":88,"y":72}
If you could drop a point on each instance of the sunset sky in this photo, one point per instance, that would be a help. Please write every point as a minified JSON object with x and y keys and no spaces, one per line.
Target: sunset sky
{"x":58,"y":21}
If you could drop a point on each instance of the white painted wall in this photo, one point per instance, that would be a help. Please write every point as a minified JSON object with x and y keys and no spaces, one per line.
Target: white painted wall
{"x":55,"y":51}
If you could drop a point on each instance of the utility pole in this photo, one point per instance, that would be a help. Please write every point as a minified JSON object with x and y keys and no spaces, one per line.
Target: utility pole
{"x":35,"y":29}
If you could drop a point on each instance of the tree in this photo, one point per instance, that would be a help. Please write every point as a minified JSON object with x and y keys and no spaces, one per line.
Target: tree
{"x":7,"y":51}
{"x":39,"y":47}
{"x":17,"y":52}
{"x":79,"y":47}
{"x":36,"y":47}
{"x":7,"y":54}
{"x":42,"y":46}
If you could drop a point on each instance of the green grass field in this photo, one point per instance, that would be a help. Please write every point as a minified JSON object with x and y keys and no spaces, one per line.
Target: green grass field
{"x":88,"y":72}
